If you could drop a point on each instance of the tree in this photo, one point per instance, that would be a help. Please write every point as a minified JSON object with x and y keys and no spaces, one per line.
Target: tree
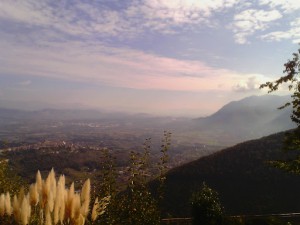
{"x":292,"y":79}
{"x":108,"y":187}
{"x":136,"y":204}
{"x":206,"y":207}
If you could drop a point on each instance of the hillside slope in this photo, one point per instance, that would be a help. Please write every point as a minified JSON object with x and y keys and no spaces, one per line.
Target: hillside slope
{"x":241,"y":175}
{"x":250,"y":118}
{"x":252,"y":114}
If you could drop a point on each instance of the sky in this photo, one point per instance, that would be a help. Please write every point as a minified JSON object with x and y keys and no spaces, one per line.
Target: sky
{"x":163,"y":57}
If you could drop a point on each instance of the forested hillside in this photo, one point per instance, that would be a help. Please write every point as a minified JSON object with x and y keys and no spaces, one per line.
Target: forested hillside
{"x":247,"y":184}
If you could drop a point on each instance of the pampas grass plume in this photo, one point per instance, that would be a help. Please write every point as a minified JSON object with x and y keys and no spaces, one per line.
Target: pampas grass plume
{"x":80,"y":220}
{"x":59,"y":199}
{"x":85,"y":197}
{"x":33,"y":194}
{"x":59,"y":208}
{"x":75,"y":208}
{"x":38,"y":181}
{"x":103,"y":204}
{"x":62,"y":212}
{"x":48,"y":220}
{"x":45,"y":192}
{"x":8,"y":208}
{"x":50,"y":202}
{"x":95,"y":209}
{"x":2,"y":204}
{"x":99,"y":207}
{"x":52,"y":182}
{"x":25,"y":211}
{"x":85,"y":191}
{"x":69,"y":201}
{"x":57,"y":204}
{"x":21,"y":195}
{"x":16,"y":208}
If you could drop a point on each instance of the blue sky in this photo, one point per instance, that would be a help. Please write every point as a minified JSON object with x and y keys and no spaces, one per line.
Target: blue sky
{"x":170,"y":57}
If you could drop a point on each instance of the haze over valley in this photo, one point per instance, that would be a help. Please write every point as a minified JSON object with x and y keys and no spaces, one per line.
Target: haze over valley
{"x":249,"y":118}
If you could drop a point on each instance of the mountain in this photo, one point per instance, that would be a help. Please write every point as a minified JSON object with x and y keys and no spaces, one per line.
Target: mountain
{"x":247,"y":184}
{"x":250,"y":118}
{"x":251,"y":113}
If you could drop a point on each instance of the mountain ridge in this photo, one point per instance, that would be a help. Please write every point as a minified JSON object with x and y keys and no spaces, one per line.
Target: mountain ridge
{"x":250,"y":118}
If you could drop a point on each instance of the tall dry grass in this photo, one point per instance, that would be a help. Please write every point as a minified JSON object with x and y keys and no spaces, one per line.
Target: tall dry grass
{"x":49,"y":202}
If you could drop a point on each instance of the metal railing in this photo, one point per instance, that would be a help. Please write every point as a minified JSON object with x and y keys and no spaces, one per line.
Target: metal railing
{"x":292,"y":217}
{"x":177,"y":221}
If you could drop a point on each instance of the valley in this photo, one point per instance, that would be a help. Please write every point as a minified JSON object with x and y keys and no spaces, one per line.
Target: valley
{"x":77,"y":143}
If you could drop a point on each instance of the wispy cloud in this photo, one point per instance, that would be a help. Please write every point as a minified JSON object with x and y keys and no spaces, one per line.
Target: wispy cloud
{"x":25,"y":83}
{"x":96,"y":20}
{"x":119,"y":67}
{"x":165,"y":15}
{"x":249,"y":21}
{"x":73,"y":18}
{"x":286,"y":6}
{"x":293,"y":33}
{"x":65,"y":40}
{"x":79,"y":18}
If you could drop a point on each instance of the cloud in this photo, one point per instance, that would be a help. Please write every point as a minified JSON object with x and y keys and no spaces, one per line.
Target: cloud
{"x":26,"y":12}
{"x":249,"y":21}
{"x":287,"y":6}
{"x":98,"y":19}
{"x":68,"y":41}
{"x":251,"y":84}
{"x":118,"y":67}
{"x":178,"y":12}
{"x":25,"y":83}
{"x":74,"y":18}
{"x":293,"y":33}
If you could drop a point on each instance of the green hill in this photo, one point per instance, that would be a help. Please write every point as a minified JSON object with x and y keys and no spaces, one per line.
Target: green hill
{"x":241,"y":175}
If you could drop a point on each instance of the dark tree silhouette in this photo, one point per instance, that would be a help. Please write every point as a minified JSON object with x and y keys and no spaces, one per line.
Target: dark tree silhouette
{"x":206,"y":207}
{"x":292,"y":141}
{"x":292,"y":78}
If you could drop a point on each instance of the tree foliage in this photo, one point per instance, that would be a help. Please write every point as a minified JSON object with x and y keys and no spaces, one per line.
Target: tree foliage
{"x":162,"y":164}
{"x":108,"y":187}
{"x":292,"y":78}
{"x":206,"y":207}
{"x":292,"y":141}
{"x":136,"y":204}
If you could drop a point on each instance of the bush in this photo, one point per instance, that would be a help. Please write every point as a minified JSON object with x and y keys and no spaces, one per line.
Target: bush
{"x":206,"y":207}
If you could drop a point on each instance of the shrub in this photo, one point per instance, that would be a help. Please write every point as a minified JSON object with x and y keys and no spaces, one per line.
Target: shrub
{"x":206,"y":207}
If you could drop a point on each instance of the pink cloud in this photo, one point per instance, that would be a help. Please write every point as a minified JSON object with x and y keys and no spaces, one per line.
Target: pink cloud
{"x":117,"y":67}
